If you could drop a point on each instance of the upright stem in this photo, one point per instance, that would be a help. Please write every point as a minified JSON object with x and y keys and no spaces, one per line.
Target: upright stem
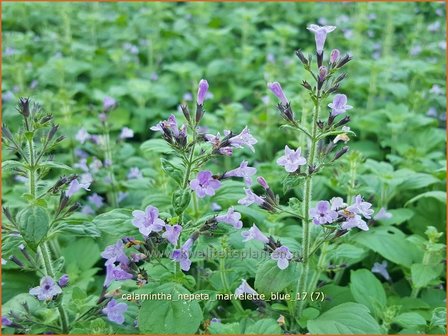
{"x":222,"y":271}
{"x":43,"y":249}
{"x":108,"y":156}
{"x":307,"y":198}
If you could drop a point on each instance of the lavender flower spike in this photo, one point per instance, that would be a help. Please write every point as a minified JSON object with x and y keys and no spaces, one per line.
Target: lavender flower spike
{"x":254,"y":233}
{"x":361,"y":208}
{"x":242,"y":171}
{"x":282,"y":255}
{"x":277,"y":90}
{"x":291,"y":160}
{"x":147,"y":221}
{"x":339,"y":105}
{"x":323,"y":214}
{"x":202,"y":91}
{"x":204,"y":184}
{"x":46,"y":290}
{"x":244,"y":288}
{"x":115,"y":311}
{"x":75,"y":185}
{"x":320,"y":34}
{"x":231,"y":217}
{"x":182,"y":255}
{"x":250,"y":198}
{"x":172,"y":233}
{"x":354,"y":221}
{"x":243,"y":139}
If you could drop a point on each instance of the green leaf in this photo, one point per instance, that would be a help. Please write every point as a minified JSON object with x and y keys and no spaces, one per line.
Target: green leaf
{"x":115,"y":222}
{"x":174,"y":316}
{"x":270,"y":279}
{"x":12,"y":164}
{"x":52,"y":164}
{"x":422,"y":275}
{"x":417,"y":181}
{"x":347,"y":318}
{"x":264,"y":326}
{"x":34,"y":223}
{"x":367,"y":290}
{"x":409,"y":319}
{"x":156,"y":146}
{"x":438,"y":195}
{"x":172,"y":171}
{"x":224,"y":328}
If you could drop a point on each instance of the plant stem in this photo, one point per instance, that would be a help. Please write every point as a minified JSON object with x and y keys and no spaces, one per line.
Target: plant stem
{"x":109,"y":162}
{"x":43,"y":248}
{"x":222,"y":272}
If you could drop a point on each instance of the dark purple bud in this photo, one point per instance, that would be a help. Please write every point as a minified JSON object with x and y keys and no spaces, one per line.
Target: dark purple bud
{"x":306,"y":85}
{"x":320,"y":124}
{"x":202,"y":91}
{"x":286,"y":112}
{"x":302,"y":57}
{"x":63,"y":280}
{"x":340,"y":153}
{"x":16,"y":261}
{"x":263,"y":182}
{"x":24,"y":107}
{"x":60,"y":138}
{"x":343,"y":121}
{"x":199,"y":112}
{"x":52,"y":132}
{"x":334,"y":56}
{"x":322,"y":73}
{"x":320,"y":58}
{"x":344,"y":61}
{"x":22,"y":249}
{"x":186,"y":112}
{"x":74,"y":207}
{"x":334,"y":88}
{"x":45,"y":119}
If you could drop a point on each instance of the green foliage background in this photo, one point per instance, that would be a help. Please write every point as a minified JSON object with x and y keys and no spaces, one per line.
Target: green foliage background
{"x":69,"y":56}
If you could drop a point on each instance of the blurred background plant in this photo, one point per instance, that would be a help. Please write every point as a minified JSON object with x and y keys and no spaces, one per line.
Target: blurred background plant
{"x":74,"y":58}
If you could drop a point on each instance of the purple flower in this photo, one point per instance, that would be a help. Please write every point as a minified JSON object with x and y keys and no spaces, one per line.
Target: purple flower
{"x":243,"y":139}
{"x":334,"y":56}
{"x":63,"y":280}
{"x":322,"y":213}
{"x":187,"y":96}
{"x":115,"y":272}
{"x":134,"y":173}
{"x":361,"y":208}
{"x":170,"y":124}
{"x":337,"y":203}
{"x":381,"y":269}
{"x":242,"y":171}
{"x":6,"y":321}
{"x":204,"y":184}
{"x":182,"y":255}
{"x":82,"y":135}
{"x":137,"y":257}
{"x":276,"y":89}
{"x":254,"y":233}
{"x":75,"y":185}
{"x":172,"y":233}
{"x":231,"y":217}
{"x":115,"y":311}
{"x":202,"y":91}
{"x":147,"y":221}
{"x":382,"y":214}
{"x":263,"y":182}
{"x":292,"y":159}
{"x":47,"y":289}
{"x":282,"y":255}
{"x":227,"y":151}
{"x":250,"y":198}
{"x":354,"y":221}
{"x":320,"y":34}
{"x":115,"y":253}
{"x":87,"y":210}
{"x":108,"y":103}
{"x":215,"y":206}
{"x":339,"y":105}
{"x":215,"y":320}
{"x":323,"y":72}
{"x":244,"y":288}
{"x":126,"y":133}
{"x":96,"y":200}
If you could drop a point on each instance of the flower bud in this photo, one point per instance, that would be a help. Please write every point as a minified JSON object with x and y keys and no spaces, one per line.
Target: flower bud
{"x":263,"y":182}
{"x":202,"y":91}
{"x":63,"y":280}
{"x":302,"y":57}
{"x":16,"y":261}
{"x":340,"y":77}
{"x":343,"y":121}
{"x":322,"y":73}
{"x":306,"y":85}
{"x":334,"y":56}
{"x":277,"y":90}
{"x":340,"y":153}
{"x":52,"y":132}
{"x":186,"y":112}
{"x":343,"y":61}
{"x":24,"y":107}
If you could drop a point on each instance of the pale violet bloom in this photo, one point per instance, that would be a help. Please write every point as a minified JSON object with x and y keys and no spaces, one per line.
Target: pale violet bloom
{"x":337,"y":203}
{"x":169,"y":124}
{"x":339,"y":105}
{"x":172,"y":233}
{"x":320,"y":34}
{"x":231,"y":217}
{"x":282,"y":255}
{"x":334,"y":56}
{"x":115,"y":253}
{"x":182,"y":255}
{"x":354,"y":221}
{"x":75,"y":185}
{"x":382,"y":214}
{"x":116,"y":272}
{"x":254,"y":233}
{"x":244,"y":288}
{"x":63,"y":280}
{"x":147,"y":221}
{"x":243,"y":139}
{"x":242,"y":171}
{"x":343,"y":136}
{"x":202,"y":91}
{"x":323,"y":214}
{"x":108,"y":102}
{"x":47,"y":289}
{"x":82,"y":135}
{"x":126,"y":133}
{"x":263,"y":182}
{"x":115,"y":311}
{"x":277,"y":90}
{"x":381,"y":269}
{"x":361,"y":208}
{"x":250,"y":198}
{"x":96,"y":200}
{"x":204,"y":184}
{"x":134,"y":173}
{"x":292,"y":159}
{"x":215,"y":207}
